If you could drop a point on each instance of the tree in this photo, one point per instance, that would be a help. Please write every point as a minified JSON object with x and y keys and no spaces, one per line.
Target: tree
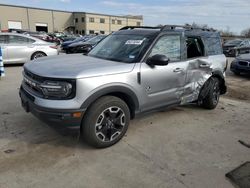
{"x":246,"y":33}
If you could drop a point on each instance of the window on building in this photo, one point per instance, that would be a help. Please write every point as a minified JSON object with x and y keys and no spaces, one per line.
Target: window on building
{"x":102,"y":20}
{"x":83,"y":32}
{"x":138,"y":23}
{"x":119,"y":22}
{"x":76,"y":20}
{"x":91,"y":19}
{"x":102,"y":32}
{"x":83,"y":19}
{"x":76,"y":31}
{"x":113,"y":21}
{"x":91,"y":32}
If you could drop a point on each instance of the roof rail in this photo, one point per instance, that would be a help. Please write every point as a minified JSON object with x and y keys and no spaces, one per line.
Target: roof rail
{"x":168,"y":27}
{"x":139,"y":27}
{"x":188,"y":27}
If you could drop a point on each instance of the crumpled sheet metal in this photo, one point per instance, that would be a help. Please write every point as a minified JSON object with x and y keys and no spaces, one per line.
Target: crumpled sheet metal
{"x":196,"y":77}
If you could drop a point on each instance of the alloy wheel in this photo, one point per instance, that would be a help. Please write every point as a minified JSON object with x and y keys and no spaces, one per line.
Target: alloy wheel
{"x":110,"y":124}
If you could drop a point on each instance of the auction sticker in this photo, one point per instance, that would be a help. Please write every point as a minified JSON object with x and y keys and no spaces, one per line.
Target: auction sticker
{"x":134,"y":42}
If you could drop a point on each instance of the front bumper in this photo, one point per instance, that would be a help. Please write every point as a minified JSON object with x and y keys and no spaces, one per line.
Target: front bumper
{"x":59,"y":119}
{"x":238,"y":68}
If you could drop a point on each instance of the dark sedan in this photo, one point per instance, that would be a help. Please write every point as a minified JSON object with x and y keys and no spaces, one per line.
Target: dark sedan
{"x":236,"y":47}
{"x":241,"y":64}
{"x":85,"y":47}
{"x":65,"y":45}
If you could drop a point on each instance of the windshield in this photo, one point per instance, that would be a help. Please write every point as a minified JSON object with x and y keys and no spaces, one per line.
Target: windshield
{"x":233,"y":42}
{"x":96,"y":39}
{"x":122,"y":48}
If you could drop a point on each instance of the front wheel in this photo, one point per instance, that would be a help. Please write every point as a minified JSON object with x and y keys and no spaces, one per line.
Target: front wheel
{"x":105,"y":122}
{"x":211,"y":100}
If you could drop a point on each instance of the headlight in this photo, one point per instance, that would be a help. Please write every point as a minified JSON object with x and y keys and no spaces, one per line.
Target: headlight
{"x":57,"y":89}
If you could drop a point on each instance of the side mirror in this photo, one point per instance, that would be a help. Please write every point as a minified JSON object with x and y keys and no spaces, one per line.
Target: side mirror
{"x":160,"y":60}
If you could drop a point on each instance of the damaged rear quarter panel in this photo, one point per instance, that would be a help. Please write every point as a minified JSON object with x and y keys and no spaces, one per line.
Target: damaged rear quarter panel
{"x":198,"y":72}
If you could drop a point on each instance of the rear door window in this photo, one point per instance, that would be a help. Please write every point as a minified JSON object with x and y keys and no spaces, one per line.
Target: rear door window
{"x":195,"y":47}
{"x":2,"y":39}
{"x":13,"y":39}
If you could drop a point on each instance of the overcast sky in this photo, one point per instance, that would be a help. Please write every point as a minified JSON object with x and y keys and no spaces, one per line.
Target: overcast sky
{"x":220,"y":14}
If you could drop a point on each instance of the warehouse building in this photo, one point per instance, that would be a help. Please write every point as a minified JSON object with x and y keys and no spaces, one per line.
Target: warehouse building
{"x":36,"y":19}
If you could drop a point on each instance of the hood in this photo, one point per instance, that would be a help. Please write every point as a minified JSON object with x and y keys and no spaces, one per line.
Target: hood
{"x":81,"y":43}
{"x":76,"y":66}
{"x":244,"y":57}
{"x":229,"y":46}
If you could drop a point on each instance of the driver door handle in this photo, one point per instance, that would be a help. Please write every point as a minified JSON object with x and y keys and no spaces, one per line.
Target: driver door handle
{"x":178,"y":70}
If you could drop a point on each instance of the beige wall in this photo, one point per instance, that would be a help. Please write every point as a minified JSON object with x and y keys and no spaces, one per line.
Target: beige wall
{"x":40,"y":16}
{"x":13,"y":14}
{"x":59,"y":20}
{"x":62,"y":20}
{"x":97,"y":26}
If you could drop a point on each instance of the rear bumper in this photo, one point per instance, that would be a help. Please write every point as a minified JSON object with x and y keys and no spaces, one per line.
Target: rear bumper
{"x":57,"y":118}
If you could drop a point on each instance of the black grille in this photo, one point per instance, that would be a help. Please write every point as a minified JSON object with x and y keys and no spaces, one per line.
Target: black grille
{"x":243,"y":63}
{"x":32,"y":82}
{"x":28,"y":95}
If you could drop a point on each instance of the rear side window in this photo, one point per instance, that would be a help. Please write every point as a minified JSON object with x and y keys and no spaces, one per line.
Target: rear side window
{"x":213,"y":45}
{"x":2,"y":39}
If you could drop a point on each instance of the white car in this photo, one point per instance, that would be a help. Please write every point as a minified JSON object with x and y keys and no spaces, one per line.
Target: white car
{"x":18,"y":48}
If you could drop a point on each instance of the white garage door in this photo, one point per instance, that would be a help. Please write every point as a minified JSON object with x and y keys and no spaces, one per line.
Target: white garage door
{"x":14,"y":25}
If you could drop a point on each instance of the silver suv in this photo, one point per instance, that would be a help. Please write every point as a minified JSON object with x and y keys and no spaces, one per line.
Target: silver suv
{"x":132,"y":71}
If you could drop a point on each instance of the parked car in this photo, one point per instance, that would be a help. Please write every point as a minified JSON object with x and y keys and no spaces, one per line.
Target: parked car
{"x":18,"y":48}
{"x":84,"y":46}
{"x":133,"y":71}
{"x":65,"y":45}
{"x":241,"y":64}
{"x":48,"y":37}
{"x":236,"y":47}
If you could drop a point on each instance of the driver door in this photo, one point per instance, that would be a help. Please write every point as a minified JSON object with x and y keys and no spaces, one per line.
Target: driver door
{"x":164,"y":85}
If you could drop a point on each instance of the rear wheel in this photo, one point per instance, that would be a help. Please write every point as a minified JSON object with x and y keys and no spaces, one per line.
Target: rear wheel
{"x":211,"y":100}
{"x":105,"y":122}
{"x":37,"y":55}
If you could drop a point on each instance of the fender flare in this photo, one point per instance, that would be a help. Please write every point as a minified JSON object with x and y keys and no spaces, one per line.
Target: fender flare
{"x":219,"y":75}
{"x":112,"y":90}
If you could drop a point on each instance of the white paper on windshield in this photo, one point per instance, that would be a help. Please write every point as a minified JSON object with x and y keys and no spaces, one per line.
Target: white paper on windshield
{"x":134,"y":42}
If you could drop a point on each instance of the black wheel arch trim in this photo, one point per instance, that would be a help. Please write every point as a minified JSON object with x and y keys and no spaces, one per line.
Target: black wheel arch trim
{"x":119,"y":91}
{"x":37,"y":52}
{"x":219,"y":75}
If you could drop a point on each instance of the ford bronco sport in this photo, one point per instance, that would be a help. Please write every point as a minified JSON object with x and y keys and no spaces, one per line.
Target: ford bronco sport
{"x":132,"y":71}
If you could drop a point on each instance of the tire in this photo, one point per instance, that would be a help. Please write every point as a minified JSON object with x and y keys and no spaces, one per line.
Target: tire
{"x":37,"y":55}
{"x":105,"y":122}
{"x":211,"y":100}
{"x":236,"y":73}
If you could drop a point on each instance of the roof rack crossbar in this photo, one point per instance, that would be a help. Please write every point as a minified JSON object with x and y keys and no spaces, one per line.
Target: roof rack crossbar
{"x":188,"y":27}
{"x":139,"y":27}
